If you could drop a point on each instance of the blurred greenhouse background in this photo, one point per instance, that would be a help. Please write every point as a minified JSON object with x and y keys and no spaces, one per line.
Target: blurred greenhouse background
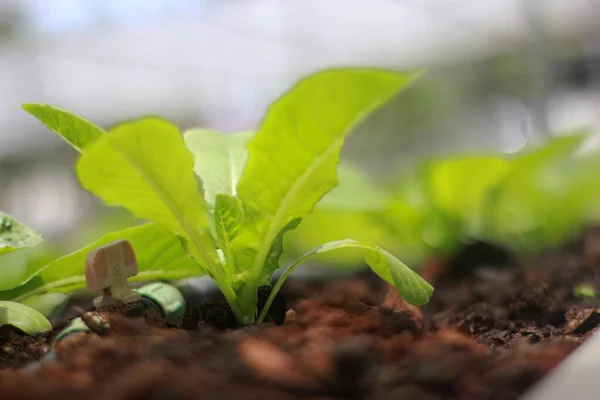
{"x":499,"y":73}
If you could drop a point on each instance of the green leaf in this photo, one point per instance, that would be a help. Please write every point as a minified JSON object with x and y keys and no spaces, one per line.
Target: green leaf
{"x":415,"y":221}
{"x":160,"y":255}
{"x":419,"y":232}
{"x":228,"y":217}
{"x":13,"y":268}
{"x":458,"y":185}
{"x":145,"y":167}
{"x":15,"y":235}
{"x":293,"y":157}
{"x":539,"y":202}
{"x":554,"y":149}
{"x":76,"y":130}
{"x":19,"y":266}
{"x":49,"y":304}
{"x":411,"y":286}
{"x":24,"y":318}
{"x":218,"y":159}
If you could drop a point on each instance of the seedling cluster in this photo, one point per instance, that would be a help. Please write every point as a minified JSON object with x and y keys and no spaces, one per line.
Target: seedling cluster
{"x":526,"y":201}
{"x":255,"y":187}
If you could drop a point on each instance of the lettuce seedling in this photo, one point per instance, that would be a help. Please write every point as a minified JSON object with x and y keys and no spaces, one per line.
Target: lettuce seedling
{"x":534,"y":198}
{"x":429,"y":211}
{"x":256,"y":186}
{"x":543,"y":197}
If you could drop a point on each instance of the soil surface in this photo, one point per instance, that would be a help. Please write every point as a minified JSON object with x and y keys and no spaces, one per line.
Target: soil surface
{"x":492,"y":329}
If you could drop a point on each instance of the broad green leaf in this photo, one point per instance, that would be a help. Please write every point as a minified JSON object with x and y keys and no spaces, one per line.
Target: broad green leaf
{"x":104,"y":220}
{"x":145,"y":167}
{"x":74,"y":129}
{"x":160,"y":255}
{"x":292,"y":159}
{"x":218,"y":159}
{"x":24,"y":318}
{"x":19,"y":266}
{"x":15,"y":235}
{"x":13,"y":269}
{"x":411,"y":286}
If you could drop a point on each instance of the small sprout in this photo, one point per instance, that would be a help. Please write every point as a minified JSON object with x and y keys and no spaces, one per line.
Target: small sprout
{"x":584,"y":290}
{"x":107,"y":269}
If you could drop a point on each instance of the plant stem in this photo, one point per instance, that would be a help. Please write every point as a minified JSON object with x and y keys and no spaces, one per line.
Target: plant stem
{"x":280,"y":281}
{"x":247,"y":301}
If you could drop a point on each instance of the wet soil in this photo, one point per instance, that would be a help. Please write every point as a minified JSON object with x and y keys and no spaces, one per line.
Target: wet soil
{"x":493,"y":328}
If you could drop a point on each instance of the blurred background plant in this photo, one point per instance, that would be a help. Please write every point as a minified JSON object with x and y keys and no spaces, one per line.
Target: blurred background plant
{"x":523,"y":202}
{"x":500,"y":74}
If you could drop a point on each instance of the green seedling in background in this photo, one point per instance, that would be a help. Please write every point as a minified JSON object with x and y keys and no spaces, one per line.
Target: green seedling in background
{"x":526,"y":201}
{"x":584,"y":290}
{"x":538,"y":202}
{"x":257,"y":186}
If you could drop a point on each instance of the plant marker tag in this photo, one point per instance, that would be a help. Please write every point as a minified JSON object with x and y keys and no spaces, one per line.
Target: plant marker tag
{"x":107,"y":269}
{"x":576,"y":376}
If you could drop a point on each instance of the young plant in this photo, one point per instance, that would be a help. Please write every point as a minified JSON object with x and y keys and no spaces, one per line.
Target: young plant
{"x":525,"y":201}
{"x":256,"y":186}
{"x":547,"y":195}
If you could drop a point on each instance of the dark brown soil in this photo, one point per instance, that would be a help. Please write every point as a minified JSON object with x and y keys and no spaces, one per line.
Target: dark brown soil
{"x":491,"y":330}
